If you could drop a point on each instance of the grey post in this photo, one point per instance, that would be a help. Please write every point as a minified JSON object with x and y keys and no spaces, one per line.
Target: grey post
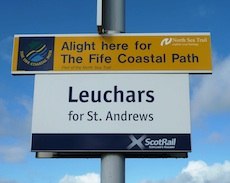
{"x":112,"y":168}
{"x":111,"y":16}
{"x":111,"y":19}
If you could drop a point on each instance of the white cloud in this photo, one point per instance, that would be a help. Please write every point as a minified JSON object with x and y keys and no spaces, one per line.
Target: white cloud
{"x":15,"y":118}
{"x":26,"y":102}
{"x":212,"y":93}
{"x":15,"y":112}
{"x":200,"y":172}
{"x":15,"y":128}
{"x":12,"y":154}
{"x":86,"y":178}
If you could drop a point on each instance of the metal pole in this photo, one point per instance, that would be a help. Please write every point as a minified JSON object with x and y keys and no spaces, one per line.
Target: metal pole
{"x":113,"y":21}
{"x":110,"y":16}
{"x":113,"y":14}
{"x":112,"y":168}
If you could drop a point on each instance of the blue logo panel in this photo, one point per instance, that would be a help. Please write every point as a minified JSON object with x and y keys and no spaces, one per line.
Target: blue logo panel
{"x":35,"y":53}
{"x":111,"y":142}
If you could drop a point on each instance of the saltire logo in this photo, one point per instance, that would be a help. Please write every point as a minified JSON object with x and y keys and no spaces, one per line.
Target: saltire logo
{"x":136,"y":142}
{"x":35,"y":53}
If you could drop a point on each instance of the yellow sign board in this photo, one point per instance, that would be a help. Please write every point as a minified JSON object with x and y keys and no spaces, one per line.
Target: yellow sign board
{"x":92,"y":53}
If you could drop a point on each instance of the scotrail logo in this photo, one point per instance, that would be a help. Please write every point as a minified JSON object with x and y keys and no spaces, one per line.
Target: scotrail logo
{"x":166,"y":41}
{"x":145,"y":142}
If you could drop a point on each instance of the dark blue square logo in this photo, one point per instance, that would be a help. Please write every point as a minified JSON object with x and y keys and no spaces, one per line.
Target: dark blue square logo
{"x":35,"y":53}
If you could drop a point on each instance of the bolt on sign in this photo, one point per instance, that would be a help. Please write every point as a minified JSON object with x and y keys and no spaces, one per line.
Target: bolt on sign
{"x":143,"y":53}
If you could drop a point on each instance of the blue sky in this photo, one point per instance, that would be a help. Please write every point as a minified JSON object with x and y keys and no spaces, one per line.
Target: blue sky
{"x":210,"y":94}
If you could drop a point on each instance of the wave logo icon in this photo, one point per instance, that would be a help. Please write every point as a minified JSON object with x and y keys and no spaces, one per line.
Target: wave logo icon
{"x":166,"y":41}
{"x":37,"y":54}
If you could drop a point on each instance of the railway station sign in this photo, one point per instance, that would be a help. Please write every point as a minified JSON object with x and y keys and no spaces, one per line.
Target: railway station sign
{"x":93,"y":53}
{"x":108,"y":113}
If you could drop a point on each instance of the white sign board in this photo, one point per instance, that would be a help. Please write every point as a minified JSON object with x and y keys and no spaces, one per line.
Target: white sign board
{"x":111,"y":112}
